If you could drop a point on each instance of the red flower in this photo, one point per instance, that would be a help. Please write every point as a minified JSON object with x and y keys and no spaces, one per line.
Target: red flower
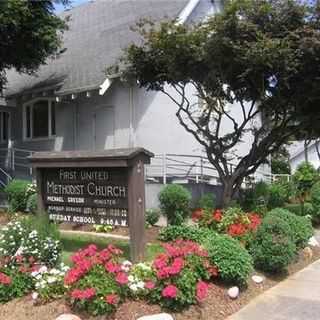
{"x":4,"y":279}
{"x":255,"y":221}
{"x":236,"y":229}
{"x":122,"y":278}
{"x":197,"y":214}
{"x":149,"y":285}
{"x":169,"y":291}
{"x":201,"y":290}
{"x":112,"y":299}
{"x":217,"y":215}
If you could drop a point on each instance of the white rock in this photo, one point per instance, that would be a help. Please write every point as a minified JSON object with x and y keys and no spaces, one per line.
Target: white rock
{"x":233,"y":292}
{"x":257,"y":279}
{"x":68,"y":317}
{"x":159,"y":316}
{"x":313,"y":242}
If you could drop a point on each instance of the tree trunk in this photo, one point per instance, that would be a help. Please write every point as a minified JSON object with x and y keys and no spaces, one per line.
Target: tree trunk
{"x":306,"y":151}
{"x":227,"y":194}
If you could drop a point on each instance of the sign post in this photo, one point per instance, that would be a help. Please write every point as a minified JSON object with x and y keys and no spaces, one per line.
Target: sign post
{"x":104,"y":187}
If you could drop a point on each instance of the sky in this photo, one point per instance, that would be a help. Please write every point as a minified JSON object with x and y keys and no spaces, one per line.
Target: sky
{"x":74,"y":3}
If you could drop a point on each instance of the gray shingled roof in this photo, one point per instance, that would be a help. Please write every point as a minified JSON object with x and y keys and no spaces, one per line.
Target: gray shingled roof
{"x":98,"y":31}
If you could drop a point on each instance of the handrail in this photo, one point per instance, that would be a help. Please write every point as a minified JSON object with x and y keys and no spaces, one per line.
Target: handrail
{"x":6,"y":174}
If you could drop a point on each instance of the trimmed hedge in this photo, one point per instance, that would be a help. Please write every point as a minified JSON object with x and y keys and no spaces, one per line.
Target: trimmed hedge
{"x":273,"y":248}
{"x":301,"y":227}
{"x":17,"y":192}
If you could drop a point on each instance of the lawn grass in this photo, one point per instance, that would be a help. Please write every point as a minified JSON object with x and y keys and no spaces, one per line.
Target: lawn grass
{"x":73,"y":242}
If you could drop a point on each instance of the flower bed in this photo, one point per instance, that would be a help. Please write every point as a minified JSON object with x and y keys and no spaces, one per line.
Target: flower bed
{"x":232,"y":221}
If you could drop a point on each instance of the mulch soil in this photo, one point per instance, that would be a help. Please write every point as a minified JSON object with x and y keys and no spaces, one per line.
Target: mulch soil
{"x":217,"y":306}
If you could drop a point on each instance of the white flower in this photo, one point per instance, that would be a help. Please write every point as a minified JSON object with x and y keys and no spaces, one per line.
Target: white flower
{"x":131,"y":278}
{"x":43,"y":269}
{"x":35,"y":295}
{"x":51,"y":279}
{"x":133,"y":287}
{"x":140,"y":285}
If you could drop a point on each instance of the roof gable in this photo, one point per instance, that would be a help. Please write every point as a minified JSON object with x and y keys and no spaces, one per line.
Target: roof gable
{"x":98,"y":31}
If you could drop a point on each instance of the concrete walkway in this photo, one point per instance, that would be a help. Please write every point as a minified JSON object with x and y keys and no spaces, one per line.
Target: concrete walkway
{"x":297,"y":298}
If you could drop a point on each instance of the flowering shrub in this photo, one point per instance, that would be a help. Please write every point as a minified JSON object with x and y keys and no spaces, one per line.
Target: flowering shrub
{"x":17,"y":240}
{"x":141,"y":279}
{"x":181,"y":272}
{"x":98,"y":281}
{"x":49,"y":283}
{"x":15,"y":277}
{"x":232,"y":221}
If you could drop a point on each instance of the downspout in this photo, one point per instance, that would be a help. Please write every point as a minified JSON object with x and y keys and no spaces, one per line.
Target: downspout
{"x":131,"y":131}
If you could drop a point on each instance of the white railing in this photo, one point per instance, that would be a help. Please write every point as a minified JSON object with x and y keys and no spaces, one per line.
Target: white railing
{"x":170,"y":168}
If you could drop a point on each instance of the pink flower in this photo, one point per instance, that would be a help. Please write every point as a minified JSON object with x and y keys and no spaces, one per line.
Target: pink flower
{"x":201,"y":290}
{"x":112,"y":299}
{"x":169,"y":291}
{"x":122,"y":278}
{"x":4,"y":279}
{"x":149,"y":285}
{"x":83,"y":294}
{"x":112,"y":267}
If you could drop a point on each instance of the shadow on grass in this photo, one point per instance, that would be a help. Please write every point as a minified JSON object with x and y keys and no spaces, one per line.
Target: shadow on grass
{"x":72,"y":243}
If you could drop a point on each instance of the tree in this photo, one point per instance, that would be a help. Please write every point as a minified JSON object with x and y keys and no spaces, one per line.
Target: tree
{"x":280,"y":161}
{"x":257,"y":61}
{"x":30,"y":32}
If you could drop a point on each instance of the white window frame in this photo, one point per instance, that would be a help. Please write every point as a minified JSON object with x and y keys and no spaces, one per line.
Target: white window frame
{"x":2,"y":140}
{"x":31,"y":104}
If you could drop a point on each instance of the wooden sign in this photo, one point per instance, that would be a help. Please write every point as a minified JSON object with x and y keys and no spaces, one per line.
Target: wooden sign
{"x":104,"y":187}
{"x":88,"y":196}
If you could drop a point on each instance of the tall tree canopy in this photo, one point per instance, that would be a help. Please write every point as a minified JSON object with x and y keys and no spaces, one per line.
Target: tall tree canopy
{"x":29,"y":33}
{"x":255,"y":61}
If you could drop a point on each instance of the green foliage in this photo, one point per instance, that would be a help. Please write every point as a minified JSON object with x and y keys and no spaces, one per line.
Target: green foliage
{"x":32,"y":203}
{"x":152,"y":216}
{"x":301,"y":227}
{"x":232,"y":260}
{"x":278,"y":195}
{"x":255,"y":197}
{"x":273,"y":248}
{"x":315,"y":200}
{"x":102,"y":228}
{"x":174,"y":203}
{"x":207,"y":201}
{"x":304,"y":178}
{"x":41,"y":28}
{"x":194,"y":233}
{"x":300,"y":209}
{"x":20,"y":284}
{"x":280,"y":166}
{"x":17,"y":192}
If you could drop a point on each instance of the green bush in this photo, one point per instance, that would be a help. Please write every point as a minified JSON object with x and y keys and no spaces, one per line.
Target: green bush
{"x":305,"y":177}
{"x":32,"y":203}
{"x":194,"y":233}
{"x":278,"y":195}
{"x":152,"y":216}
{"x":207,"y":201}
{"x":232,"y":260}
{"x":315,"y":200}
{"x":175,"y":203}
{"x":273,"y":248}
{"x":17,"y":192}
{"x":301,"y":227}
